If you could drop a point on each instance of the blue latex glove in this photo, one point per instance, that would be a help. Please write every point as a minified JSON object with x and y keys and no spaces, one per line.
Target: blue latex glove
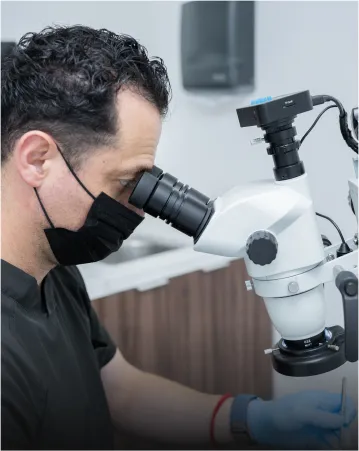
{"x":304,"y":420}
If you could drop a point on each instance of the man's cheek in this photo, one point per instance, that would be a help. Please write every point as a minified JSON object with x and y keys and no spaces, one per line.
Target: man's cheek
{"x":77,"y":209}
{"x":136,"y":210}
{"x":124,"y":200}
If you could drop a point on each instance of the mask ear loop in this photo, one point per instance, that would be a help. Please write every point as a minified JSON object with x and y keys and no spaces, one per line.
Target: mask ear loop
{"x":73,"y":173}
{"x":43,"y":209}
{"x":78,"y":180}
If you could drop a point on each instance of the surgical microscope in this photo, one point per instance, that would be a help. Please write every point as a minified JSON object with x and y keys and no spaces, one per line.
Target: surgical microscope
{"x":273,"y":226}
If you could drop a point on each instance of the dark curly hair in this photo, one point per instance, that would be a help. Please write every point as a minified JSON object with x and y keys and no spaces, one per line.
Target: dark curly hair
{"x":64,"y":81}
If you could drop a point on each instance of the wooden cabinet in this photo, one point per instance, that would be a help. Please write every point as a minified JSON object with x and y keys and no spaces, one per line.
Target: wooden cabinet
{"x":204,"y":330}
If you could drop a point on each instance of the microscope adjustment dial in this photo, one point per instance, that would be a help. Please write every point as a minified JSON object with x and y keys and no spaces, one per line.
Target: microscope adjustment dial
{"x":262,"y":247}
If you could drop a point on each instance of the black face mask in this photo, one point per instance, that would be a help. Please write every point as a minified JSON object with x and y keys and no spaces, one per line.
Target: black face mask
{"x":107,"y":225}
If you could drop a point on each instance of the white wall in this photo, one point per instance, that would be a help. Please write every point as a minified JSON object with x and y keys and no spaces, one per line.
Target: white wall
{"x":299,"y":45}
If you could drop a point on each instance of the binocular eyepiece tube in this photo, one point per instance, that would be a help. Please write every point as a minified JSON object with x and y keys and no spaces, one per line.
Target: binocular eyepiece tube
{"x":162,"y":195}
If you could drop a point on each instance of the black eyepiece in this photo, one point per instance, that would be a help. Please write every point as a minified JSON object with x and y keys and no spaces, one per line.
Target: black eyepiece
{"x":162,"y":195}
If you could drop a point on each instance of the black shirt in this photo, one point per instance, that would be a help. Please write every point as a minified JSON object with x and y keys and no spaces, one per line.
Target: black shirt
{"x":53,"y":348}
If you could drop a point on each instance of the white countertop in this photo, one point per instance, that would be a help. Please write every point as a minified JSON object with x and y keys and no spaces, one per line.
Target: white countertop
{"x":146,"y":273}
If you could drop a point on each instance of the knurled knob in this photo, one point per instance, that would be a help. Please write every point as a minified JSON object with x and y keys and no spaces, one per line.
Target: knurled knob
{"x":262,"y":247}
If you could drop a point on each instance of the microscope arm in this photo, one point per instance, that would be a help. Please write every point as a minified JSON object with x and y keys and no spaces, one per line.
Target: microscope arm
{"x":347,"y":284}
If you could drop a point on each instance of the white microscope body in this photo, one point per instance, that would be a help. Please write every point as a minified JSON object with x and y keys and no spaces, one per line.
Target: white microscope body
{"x":285,"y":211}
{"x":292,"y":284}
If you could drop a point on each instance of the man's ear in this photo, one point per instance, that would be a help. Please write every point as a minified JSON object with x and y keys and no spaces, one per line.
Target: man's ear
{"x":33,"y":154}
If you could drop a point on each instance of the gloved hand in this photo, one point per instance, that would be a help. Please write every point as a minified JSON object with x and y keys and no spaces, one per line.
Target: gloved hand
{"x":304,"y":420}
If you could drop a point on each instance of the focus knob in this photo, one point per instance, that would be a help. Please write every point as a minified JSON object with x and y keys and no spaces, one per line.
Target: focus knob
{"x":262,"y":247}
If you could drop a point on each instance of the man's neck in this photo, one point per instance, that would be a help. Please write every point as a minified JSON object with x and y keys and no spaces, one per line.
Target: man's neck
{"x":23,"y":250}
{"x":23,"y":242}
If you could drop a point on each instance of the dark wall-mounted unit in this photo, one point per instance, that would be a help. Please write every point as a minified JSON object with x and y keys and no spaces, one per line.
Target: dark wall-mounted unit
{"x":217,"y":45}
{"x":6,"y":48}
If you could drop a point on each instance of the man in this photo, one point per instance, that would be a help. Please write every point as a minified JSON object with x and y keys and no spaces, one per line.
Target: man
{"x":81,"y":119}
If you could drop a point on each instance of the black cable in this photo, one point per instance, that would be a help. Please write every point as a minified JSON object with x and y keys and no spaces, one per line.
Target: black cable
{"x":343,"y":119}
{"x":337,"y":103}
{"x":334,"y":224}
{"x":315,"y":122}
{"x":326,"y":241}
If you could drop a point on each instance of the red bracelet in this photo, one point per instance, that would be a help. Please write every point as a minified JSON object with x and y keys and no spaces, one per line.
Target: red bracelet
{"x":215,"y":411}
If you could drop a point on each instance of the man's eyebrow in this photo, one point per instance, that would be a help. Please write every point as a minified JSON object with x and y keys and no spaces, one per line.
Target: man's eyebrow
{"x":134,"y":171}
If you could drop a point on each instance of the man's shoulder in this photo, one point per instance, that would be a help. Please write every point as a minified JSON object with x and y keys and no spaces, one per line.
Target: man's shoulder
{"x":17,"y":368}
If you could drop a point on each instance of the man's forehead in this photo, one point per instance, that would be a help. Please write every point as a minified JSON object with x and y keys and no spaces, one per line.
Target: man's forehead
{"x":137,"y":117}
{"x":134,"y":149}
{"x":139,"y":129}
